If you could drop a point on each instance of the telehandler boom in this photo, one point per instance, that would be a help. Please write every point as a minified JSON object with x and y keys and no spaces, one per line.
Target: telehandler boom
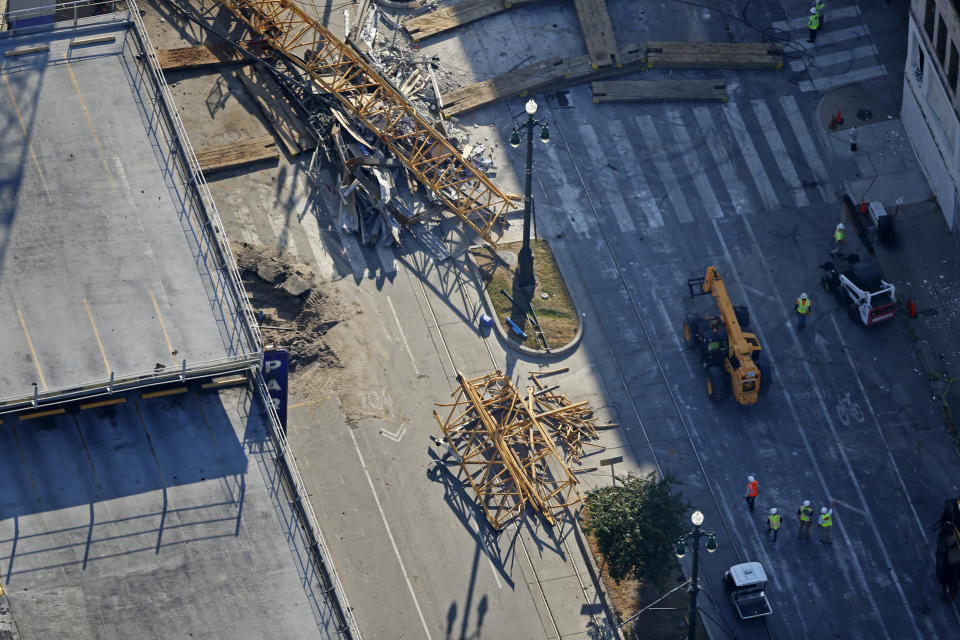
{"x":721,"y":342}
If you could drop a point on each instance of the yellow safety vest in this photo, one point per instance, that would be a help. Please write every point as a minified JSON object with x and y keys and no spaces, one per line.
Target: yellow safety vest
{"x":805,"y":513}
{"x":826,"y":520}
{"x":803,"y":306}
{"x":820,"y":7}
{"x":774,"y":521}
{"x":838,"y":235}
{"x":814,"y":21}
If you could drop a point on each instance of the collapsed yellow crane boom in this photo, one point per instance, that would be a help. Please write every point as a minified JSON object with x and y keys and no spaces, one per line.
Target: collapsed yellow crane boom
{"x":713,"y":284}
{"x":340,"y":70}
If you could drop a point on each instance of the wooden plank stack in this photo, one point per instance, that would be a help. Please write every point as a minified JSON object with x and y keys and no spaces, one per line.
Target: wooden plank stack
{"x":597,"y":32}
{"x":453,"y":16}
{"x":660,"y":91}
{"x":203,"y":55}
{"x":714,"y":55}
{"x":237,"y":154}
{"x":547,"y":75}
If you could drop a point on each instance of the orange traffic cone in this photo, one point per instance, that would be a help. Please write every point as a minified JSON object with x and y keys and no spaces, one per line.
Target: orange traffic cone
{"x":839,"y":117}
{"x":911,"y":308}
{"x":863,"y":205}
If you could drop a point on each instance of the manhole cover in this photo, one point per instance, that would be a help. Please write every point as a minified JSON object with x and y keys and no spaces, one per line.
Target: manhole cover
{"x":508,"y":256}
{"x":864,"y":114}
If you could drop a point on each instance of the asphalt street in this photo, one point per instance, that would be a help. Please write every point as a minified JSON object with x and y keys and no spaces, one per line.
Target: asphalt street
{"x":634,"y":199}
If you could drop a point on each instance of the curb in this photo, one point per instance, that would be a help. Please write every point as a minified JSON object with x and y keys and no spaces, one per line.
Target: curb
{"x":602,"y":594}
{"x":505,"y":340}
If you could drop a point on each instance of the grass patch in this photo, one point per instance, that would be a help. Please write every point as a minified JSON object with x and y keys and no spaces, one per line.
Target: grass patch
{"x":557,"y":315}
{"x":629,"y":596}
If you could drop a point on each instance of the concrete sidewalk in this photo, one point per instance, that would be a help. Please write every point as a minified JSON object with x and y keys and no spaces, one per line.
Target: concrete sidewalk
{"x":923,"y":261}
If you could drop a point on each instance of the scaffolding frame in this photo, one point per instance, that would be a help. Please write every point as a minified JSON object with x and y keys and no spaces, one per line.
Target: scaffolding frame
{"x":340,"y":70}
{"x":505,"y":450}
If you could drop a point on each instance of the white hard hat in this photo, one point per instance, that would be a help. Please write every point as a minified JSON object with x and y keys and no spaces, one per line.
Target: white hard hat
{"x":803,"y":296}
{"x":840,"y":226}
{"x":823,"y":509}
{"x":773,"y":511}
{"x":749,"y":478}
{"x":806,"y":503}
{"x":813,"y":9}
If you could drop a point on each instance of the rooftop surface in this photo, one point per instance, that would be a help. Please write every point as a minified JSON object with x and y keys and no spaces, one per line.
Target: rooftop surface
{"x":163,"y":513}
{"x":102,"y":261}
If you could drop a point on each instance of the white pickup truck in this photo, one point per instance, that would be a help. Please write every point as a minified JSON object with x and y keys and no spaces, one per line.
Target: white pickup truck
{"x":746,"y":583}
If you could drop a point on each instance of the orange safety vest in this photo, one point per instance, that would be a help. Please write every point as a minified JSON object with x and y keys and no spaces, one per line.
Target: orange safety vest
{"x":752,"y":489}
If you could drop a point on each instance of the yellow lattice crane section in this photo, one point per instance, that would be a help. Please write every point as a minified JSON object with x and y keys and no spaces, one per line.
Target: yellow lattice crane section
{"x":338,"y":69}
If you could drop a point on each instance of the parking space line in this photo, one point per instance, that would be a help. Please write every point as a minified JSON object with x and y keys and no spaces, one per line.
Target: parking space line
{"x":26,"y":134}
{"x":33,"y":352}
{"x":393,"y":543}
{"x":166,"y":336}
{"x":93,"y":130}
{"x":96,"y":333}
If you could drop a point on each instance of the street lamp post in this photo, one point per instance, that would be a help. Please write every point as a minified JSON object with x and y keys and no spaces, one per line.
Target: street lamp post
{"x":525,"y":278}
{"x":697,"y":519}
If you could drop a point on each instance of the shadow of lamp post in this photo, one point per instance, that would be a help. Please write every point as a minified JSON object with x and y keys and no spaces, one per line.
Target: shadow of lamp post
{"x":681,"y":550}
{"x":525,"y":278}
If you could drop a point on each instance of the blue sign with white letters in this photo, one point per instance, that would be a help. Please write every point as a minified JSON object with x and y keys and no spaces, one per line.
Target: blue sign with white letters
{"x":275,"y":369}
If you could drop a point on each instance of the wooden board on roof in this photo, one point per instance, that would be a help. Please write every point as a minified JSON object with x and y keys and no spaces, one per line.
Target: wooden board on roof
{"x":452,"y":16}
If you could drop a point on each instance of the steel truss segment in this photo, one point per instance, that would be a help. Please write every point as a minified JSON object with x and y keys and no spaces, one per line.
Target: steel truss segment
{"x":312,"y":48}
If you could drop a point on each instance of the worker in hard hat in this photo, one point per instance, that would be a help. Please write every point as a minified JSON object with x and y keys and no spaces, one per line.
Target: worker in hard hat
{"x":774,"y":520}
{"x":805,"y":517}
{"x":813,"y":24}
{"x":825,"y":523}
{"x":839,"y":238}
{"x":752,"y":491}
{"x":802,"y":306}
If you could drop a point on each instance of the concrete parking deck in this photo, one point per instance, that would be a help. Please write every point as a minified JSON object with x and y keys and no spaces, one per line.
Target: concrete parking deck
{"x":110,"y":260}
{"x":154,"y":514}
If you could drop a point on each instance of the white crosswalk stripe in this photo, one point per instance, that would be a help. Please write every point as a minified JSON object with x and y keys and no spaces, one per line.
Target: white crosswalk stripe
{"x":843,"y":36}
{"x":821,"y":61}
{"x":722,"y":158}
{"x":750,"y":155}
{"x":641,"y":190}
{"x":651,"y":138}
{"x":800,"y":129}
{"x":569,"y":200}
{"x":780,"y":154}
{"x":690,"y":158}
{"x":857,"y":75}
{"x":610,"y":191}
{"x":830,"y":15}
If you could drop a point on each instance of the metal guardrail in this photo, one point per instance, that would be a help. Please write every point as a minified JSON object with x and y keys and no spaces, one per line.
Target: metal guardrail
{"x":215,"y":225}
{"x":60,"y":12}
{"x":234,"y":316}
{"x":117,"y":385}
{"x":329,"y":578}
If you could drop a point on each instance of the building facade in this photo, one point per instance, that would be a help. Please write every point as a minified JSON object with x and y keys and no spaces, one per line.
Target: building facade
{"x":931,"y":100}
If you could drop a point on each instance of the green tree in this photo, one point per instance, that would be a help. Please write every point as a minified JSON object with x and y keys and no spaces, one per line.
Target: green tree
{"x":636,"y":525}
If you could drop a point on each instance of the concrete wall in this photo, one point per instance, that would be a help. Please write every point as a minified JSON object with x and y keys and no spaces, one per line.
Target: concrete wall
{"x":930,"y":115}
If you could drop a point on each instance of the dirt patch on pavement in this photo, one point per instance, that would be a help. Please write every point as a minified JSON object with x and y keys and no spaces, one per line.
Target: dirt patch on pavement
{"x":292,"y":310}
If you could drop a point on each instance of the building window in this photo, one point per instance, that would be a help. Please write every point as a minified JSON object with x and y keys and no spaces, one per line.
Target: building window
{"x":941,"y":40}
{"x":929,"y":18}
{"x":921,"y":60}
